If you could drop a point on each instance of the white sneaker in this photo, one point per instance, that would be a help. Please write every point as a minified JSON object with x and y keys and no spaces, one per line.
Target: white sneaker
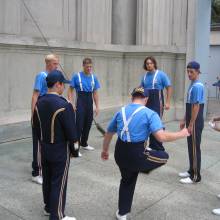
{"x":46,"y":213}
{"x":88,"y":148}
{"x":184,"y":174}
{"x":218,"y":196}
{"x":68,"y":218}
{"x":120,"y":217}
{"x":79,"y":154}
{"x":216,"y":211}
{"x":37,"y":179}
{"x":186,"y":181}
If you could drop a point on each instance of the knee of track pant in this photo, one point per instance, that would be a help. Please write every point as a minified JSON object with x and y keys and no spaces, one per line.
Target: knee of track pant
{"x":160,"y":155}
{"x":164,"y":155}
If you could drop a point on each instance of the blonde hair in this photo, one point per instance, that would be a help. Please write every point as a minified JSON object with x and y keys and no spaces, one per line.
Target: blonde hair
{"x":51,"y":57}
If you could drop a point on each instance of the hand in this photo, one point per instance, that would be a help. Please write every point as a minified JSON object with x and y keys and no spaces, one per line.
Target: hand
{"x":104,"y":155}
{"x":182,"y":124}
{"x":96,"y":112}
{"x":190,"y":128}
{"x":167,"y":106}
{"x":185,"y":132}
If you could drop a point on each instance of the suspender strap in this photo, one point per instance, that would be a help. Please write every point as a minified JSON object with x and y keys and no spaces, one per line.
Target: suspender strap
{"x":145,"y":77}
{"x":154,"y":80}
{"x":80,"y":82}
{"x":93,"y":82}
{"x":127,"y":122}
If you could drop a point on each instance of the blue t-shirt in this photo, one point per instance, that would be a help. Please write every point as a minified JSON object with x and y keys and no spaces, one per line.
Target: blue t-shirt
{"x":40,"y":83}
{"x":141,"y":126}
{"x":155,"y":80}
{"x":195,"y":94}
{"x":89,"y":83}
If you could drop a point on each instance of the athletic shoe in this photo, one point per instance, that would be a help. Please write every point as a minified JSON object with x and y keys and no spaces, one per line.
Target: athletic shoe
{"x":68,"y":218}
{"x":184,"y":174}
{"x":216,"y":211}
{"x":46,"y":213}
{"x":88,"y":148}
{"x":37,"y":179}
{"x":120,"y":217}
{"x":186,"y":181}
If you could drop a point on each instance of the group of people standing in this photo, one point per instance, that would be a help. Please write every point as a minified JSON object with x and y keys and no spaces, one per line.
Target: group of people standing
{"x":61,"y":128}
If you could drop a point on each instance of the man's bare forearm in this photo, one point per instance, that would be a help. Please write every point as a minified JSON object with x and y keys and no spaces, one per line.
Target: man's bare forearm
{"x":194,"y":113}
{"x":166,"y":136}
{"x":169,"y":93}
{"x":107,"y":140}
{"x":96,"y":99}
{"x":34,"y":101}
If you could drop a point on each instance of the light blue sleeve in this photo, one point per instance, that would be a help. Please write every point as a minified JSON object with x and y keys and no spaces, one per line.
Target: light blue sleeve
{"x":196,"y":95}
{"x":73,"y":81}
{"x":165,"y":80}
{"x":112,"y":127}
{"x":155,"y":123}
{"x":38,"y":84}
{"x":142,"y":81}
{"x":97,"y":85}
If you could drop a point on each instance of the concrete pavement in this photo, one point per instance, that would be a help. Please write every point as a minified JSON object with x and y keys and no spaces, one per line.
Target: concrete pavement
{"x":93,"y":184}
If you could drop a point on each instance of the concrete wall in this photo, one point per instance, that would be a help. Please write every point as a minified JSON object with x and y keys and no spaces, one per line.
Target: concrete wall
{"x":118,"y":72}
{"x":214,"y":64}
{"x":117,"y":34}
{"x":214,"y":69}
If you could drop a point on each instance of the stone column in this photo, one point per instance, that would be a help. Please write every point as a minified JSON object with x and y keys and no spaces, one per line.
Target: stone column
{"x":179,"y":23}
{"x":198,"y":33}
{"x":124,"y":21}
{"x":94,"y":21}
{"x":10,"y":17}
{"x":154,"y":22}
{"x":179,"y":86}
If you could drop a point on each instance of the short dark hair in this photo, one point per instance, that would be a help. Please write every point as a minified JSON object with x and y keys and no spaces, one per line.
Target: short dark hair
{"x":51,"y":84}
{"x":153,"y":60}
{"x":87,"y":61}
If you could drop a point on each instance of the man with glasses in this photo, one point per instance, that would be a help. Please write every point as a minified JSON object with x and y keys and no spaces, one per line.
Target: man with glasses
{"x":155,"y":81}
{"x":86,"y":85}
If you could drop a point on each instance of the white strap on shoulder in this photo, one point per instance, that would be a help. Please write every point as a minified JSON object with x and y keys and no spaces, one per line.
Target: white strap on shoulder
{"x":154,"y":80}
{"x":80,"y":82}
{"x":93,"y":82}
{"x":127,"y":122}
{"x":125,"y":128}
{"x":145,"y":77}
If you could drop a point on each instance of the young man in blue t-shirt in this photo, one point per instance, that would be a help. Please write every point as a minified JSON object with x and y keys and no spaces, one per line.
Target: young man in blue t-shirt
{"x":133,"y":125}
{"x":194,"y":122}
{"x":86,"y":85}
{"x":40,"y":89}
{"x":155,"y":81}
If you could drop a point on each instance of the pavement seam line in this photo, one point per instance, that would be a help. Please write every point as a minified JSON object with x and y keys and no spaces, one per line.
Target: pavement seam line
{"x":12,"y":212}
{"x":143,"y":210}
